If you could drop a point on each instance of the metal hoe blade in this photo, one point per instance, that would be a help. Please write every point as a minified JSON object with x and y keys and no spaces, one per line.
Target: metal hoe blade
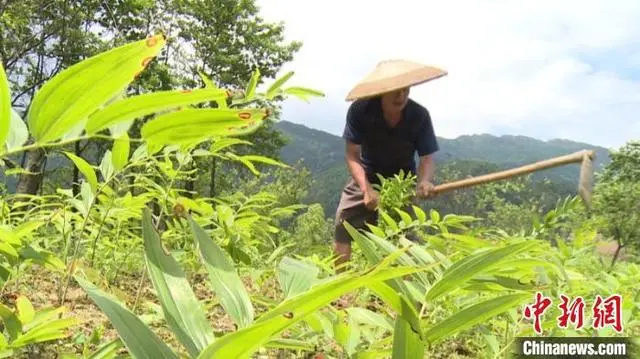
{"x":585,"y":186}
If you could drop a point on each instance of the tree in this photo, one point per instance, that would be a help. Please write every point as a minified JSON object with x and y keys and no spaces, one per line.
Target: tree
{"x":617,"y":198}
{"x":226,"y":40}
{"x":229,"y":42}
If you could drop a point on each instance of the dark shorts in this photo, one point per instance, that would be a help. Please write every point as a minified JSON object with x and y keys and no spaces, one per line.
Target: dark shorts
{"x":351,"y":208}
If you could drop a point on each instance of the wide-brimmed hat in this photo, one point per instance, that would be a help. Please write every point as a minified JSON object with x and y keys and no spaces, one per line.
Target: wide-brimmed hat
{"x":391,"y":75}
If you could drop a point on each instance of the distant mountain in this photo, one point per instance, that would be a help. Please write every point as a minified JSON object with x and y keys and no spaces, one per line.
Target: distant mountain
{"x":323,"y":154}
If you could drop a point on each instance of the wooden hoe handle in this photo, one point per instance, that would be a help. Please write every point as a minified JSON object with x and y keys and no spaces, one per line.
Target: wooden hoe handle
{"x":496,"y":176}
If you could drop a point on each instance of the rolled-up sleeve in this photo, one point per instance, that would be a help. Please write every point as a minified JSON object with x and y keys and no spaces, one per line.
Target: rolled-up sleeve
{"x":427,"y":142}
{"x":353,"y":128}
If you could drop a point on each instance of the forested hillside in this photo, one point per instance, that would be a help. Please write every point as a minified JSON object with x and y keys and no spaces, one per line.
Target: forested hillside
{"x":323,"y":154}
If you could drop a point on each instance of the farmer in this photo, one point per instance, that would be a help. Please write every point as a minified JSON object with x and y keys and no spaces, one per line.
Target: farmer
{"x":384,"y":130}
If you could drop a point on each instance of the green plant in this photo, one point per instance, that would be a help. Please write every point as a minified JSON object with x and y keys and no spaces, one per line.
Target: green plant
{"x":186,"y":318}
{"x":26,"y":326}
{"x":396,"y":191}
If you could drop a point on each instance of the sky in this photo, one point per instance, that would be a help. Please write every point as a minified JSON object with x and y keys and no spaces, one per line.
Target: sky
{"x":546,"y":69}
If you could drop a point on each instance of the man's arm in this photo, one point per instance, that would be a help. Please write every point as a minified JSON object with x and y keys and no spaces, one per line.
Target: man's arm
{"x":427,"y":145}
{"x":370,"y":196}
{"x":355,"y":167}
{"x":426,"y":169}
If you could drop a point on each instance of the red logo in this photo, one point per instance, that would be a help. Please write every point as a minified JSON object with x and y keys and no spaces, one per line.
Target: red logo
{"x":536,"y":310}
{"x":608,"y":312}
{"x":573,"y":313}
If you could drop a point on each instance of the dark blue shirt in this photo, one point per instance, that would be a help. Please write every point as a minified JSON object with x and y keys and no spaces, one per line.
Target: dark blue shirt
{"x":386,"y":150}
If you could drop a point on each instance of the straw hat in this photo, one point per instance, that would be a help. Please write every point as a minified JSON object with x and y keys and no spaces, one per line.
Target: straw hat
{"x":391,"y":75}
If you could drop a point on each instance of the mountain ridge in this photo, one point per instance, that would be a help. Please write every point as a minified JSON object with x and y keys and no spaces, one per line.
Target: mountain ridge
{"x":323,"y":154}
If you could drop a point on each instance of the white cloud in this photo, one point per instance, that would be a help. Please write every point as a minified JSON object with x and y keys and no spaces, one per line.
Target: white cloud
{"x":540,"y":68}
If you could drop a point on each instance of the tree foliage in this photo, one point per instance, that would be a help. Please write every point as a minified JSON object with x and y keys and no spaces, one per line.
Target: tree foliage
{"x":617,"y":197}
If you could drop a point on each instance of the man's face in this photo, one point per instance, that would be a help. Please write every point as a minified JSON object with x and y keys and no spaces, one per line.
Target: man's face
{"x":395,"y":101}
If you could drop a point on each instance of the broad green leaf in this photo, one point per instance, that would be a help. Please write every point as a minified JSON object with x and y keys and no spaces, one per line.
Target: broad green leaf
{"x":275,"y":88}
{"x":368,"y":317}
{"x":7,"y":235}
{"x":120,"y":155}
{"x":492,"y":341}
{"x":266,"y":160}
{"x":77,"y":92}
{"x":292,"y":311}
{"x":244,"y":161}
{"x":525,"y":264}
{"x":106,"y":166}
{"x":296,"y":276}
{"x":27,"y":228}
{"x":466,"y":241}
{"x":222,"y":103}
{"x":376,"y":230}
{"x":291,"y":344}
{"x":373,"y":354}
{"x":86,"y":169}
{"x":9,"y":251}
{"x":417,"y":252}
{"x":18,"y":132}
{"x":302,"y":93}
{"x":44,"y":332}
{"x":5,"y":272}
{"x":135,"y":107}
{"x":11,"y":322}
{"x":250,"y":91}
{"x":180,"y":306}
{"x":25,"y":310}
{"x":406,"y":218}
{"x":435,"y":216}
{"x":41,"y":257}
{"x":226,"y":282}
{"x":5,"y":106}
{"x":399,"y":303}
{"x":191,"y":126}
{"x":224,"y":142}
{"x":406,"y":343}
{"x":497,"y":283}
{"x":107,"y":350}
{"x":320,"y":323}
{"x":477,"y":313}
{"x":43,"y":315}
{"x":119,"y":129}
{"x":395,"y":291}
{"x":346,"y":332}
{"x":420,"y":215}
{"x":388,"y":248}
{"x":474,"y":265}
{"x":137,"y":337}
{"x":390,"y":222}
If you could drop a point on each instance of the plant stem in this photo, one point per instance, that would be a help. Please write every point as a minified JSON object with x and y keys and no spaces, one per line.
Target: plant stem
{"x":68,"y":274}
{"x":506,"y":346}
{"x":139,"y":291}
{"x":95,"y":241}
{"x":36,"y":145}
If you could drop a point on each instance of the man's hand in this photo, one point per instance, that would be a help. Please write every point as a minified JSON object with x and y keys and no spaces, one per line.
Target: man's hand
{"x":425,"y":189}
{"x":371,"y":199}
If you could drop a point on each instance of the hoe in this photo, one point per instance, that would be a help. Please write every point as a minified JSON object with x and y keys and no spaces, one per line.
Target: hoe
{"x":585,"y":184}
